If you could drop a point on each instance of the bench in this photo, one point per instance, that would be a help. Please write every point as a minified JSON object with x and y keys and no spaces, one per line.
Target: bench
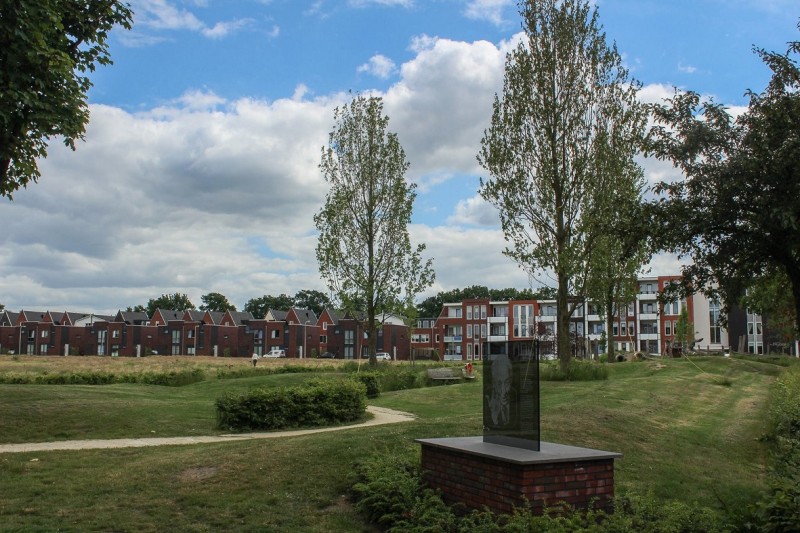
{"x":445,"y":374}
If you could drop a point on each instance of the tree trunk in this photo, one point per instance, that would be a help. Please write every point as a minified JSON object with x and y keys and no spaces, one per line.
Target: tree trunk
{"x":562,"y":327}
{"x":609,"y":329}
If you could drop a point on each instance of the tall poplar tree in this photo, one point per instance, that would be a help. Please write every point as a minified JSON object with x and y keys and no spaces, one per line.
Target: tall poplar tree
{"x":364,"y":250}
{"x":567,"y":121}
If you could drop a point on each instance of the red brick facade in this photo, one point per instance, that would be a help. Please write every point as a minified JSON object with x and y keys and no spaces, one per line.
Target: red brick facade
{"x":478,"y":480}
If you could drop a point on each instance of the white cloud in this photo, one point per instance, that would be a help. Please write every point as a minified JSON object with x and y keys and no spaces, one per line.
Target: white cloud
{"x":489,"y":10}
{"x":474,"y":211}
{"x":686,"y":69}
{"x":161,"y":15}
{"x":379,"y":66}
{"x":223,"y":29}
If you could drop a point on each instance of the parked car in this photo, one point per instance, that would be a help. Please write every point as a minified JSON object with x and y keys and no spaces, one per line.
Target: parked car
{"x":327,"y":355}
{"x":383,"y":356}
{"x":275,"y":352}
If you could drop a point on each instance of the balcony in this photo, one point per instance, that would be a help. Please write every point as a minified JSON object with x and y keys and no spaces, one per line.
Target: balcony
{"x":497,"y":338}
{"x":454,"y":338}
{"x":648,"y":316}
{"x":649,"y":296}
{"x":498,"y":320}
{"x":648,"y":336}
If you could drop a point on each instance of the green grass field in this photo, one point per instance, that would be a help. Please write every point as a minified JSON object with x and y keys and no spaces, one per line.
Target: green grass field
{"x":688,"y":431}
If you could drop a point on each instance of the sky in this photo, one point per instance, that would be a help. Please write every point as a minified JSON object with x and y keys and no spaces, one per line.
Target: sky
{"x":199,"y":170}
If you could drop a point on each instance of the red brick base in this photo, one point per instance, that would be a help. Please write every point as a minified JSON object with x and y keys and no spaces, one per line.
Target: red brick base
{"x":478,"y":474}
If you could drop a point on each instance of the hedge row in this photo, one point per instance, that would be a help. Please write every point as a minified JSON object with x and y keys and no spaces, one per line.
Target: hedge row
{"x":173,"y":378}
{"x":319,"y":402}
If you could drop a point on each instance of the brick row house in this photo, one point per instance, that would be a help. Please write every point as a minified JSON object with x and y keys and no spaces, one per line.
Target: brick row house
{"x":299,"y":332}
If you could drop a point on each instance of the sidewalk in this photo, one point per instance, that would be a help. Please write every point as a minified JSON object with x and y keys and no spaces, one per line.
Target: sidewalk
{"x":380,"y":416}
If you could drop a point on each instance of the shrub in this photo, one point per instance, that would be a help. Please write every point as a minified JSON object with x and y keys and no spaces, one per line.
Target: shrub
{"x":578,"y":371}
{"x":370,"y":381}
{"x":779,"y":509}
{"x":316,"y":403}
{"x":172,"y":378}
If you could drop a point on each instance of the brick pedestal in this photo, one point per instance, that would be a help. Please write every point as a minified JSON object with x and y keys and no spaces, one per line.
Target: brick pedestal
{"x":469,"y":471}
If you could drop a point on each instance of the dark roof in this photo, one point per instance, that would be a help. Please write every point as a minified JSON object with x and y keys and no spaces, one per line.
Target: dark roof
{"x":240,"y":317}
{"x":33,"y":316}
{"x":8,"y":318}
{"x":133,"y":318}
{"x":170,"y":314}
{"x":195,"y":315}
{"x":278,"y":315}
{"x":335,"y":314}
{"x":304,"y":315}
{"x":216,"y":316}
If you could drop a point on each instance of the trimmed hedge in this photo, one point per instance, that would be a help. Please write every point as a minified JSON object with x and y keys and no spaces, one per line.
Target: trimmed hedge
{"x":315,"y":404}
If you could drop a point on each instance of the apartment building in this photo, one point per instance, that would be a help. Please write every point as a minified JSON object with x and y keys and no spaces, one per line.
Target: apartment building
{"x":471,"y":329}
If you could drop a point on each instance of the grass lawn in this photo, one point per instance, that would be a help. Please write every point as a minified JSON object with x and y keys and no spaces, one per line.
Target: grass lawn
{"x":688,"y":431}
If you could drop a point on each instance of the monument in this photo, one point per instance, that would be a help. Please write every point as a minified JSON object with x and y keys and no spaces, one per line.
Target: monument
{"x":508,"y":466}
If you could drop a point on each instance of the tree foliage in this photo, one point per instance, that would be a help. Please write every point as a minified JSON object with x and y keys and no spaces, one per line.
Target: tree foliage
{"x":214,"y":301}
{"x":559,"y":136}
{"x":364,"y":249}
{"x":258,"y":307}
{"x":174,"y":302}
{"x":312,"y":299}
{"x":736,"y":212}
{"x":47,"y":50}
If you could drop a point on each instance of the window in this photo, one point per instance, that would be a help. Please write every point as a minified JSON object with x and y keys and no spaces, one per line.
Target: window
{"x":324,"y":326}
{"x":483,"y":331}
{"x":275,"y":334}
{"x":469,"y":331}
{"x":667,"y":329}
{"x":469,"y":313}
{"x":523,"y":320}
{"x":43,"y":349}
{"x":454,"y":312}
{"x":623,"y":328}
{"x":469,"y":351}
{"x":614,"y":329}
{"x":115,"y":334}
{"x":630,"y":309}
{"x":483,"y":312}
{"x":476,"y":311}
{"x":715,"y":329}
{"x":323,"y":339}
{"x":176,"y":336}
{"x":44,"y":333}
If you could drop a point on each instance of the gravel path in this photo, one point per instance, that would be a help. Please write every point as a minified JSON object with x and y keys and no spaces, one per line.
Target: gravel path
{"x":380,"y":416}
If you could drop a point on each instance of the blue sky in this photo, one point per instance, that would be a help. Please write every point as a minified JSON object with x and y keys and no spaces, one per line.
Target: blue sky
{"x":199,"y":170}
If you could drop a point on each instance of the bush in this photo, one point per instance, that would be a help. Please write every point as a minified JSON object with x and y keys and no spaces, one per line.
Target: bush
{"x":370,"y":382}
{"x":314,"y":404}
{"x":779,"y":509}
{"x":578,"y":371}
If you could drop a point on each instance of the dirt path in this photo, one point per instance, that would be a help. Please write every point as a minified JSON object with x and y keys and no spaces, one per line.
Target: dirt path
{"x":380,"y":416}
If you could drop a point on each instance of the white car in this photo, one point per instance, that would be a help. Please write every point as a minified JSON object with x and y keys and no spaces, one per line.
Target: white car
{"x":383,"y":356}
{"x":275,"y":353}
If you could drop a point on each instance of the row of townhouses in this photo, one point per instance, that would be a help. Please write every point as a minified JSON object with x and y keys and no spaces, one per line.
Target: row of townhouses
{"x":299,"y":332}
{"x":464,"y":331}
